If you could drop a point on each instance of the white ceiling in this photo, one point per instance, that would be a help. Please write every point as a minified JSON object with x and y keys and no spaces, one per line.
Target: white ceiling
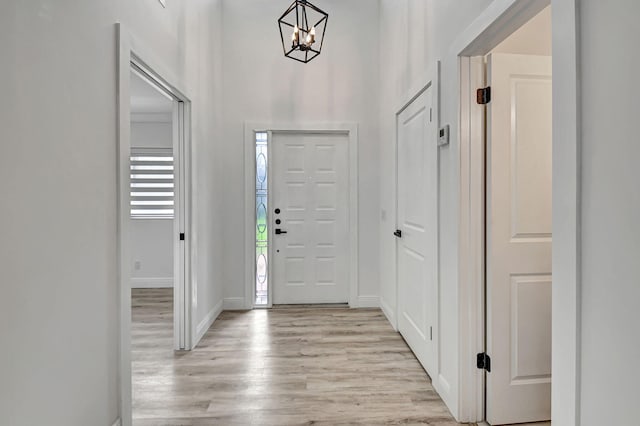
{"x":147,"y":99}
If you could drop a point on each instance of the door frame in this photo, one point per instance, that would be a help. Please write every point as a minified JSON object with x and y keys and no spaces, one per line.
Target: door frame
{"x":133,"y":55}
{"x":250,"y":129}
{"x":494,"y":25}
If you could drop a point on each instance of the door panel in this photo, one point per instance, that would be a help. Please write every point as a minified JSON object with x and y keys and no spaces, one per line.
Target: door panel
{"x":417,"y":220}
{"x":310,"y":188}
{"x":519,"y":239}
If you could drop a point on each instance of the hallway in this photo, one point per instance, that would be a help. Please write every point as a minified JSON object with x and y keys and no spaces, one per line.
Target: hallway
{"x":286,"y":366}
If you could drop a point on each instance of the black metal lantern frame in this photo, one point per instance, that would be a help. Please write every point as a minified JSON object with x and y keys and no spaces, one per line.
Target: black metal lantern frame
{"x":299,"y":26}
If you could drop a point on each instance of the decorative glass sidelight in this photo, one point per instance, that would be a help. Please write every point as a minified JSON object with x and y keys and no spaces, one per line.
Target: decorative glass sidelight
{"x":262,"y":232}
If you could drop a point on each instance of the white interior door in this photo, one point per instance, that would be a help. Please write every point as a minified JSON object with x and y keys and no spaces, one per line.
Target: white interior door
{"x":417,"y":238}
{"x":519,"y":239}
{"x":311,"y":200}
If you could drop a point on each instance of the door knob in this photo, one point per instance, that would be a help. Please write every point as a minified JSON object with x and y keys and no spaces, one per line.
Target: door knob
{"x":280,"y":231}
{"x":398,"y":233}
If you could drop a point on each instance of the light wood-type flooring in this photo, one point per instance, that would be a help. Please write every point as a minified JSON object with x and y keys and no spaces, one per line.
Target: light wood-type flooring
{"x":288,"y":366}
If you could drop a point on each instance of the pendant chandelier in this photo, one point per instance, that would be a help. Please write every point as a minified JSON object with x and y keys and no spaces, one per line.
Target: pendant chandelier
{"x":299,"y":25}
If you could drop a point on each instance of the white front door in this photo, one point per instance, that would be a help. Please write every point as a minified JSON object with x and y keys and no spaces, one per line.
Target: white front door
{"x":519,"y":239}
{"x":417,"y":236}
{"x":311,"y":200}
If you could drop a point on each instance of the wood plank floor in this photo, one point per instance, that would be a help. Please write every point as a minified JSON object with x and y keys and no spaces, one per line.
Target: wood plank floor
{"x":294,"y":366}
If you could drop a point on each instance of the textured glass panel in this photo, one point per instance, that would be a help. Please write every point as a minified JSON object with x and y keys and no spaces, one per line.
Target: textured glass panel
{"x":262,"y":230}
{"x":261,"y":172}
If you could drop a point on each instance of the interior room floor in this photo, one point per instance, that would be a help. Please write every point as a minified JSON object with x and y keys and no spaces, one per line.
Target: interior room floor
{"x":293,"y":366}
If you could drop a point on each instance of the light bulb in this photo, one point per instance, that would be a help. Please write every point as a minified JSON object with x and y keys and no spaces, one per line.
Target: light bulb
{"x":295,"y":37}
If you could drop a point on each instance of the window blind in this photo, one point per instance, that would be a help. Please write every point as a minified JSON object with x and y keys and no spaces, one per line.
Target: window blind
{"x":152,"y":183}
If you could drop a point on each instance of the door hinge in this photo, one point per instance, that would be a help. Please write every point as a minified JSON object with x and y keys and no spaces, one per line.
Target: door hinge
{"x":182,"y":236}
{"x":483,"y":96}
{"x":483,"y":361}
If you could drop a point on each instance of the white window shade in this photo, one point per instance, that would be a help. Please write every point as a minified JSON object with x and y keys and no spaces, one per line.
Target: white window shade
{"x":152,"y":183}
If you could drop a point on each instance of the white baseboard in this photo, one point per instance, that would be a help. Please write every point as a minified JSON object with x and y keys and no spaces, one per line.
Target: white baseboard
{"x":234,"y":304}
{"x":389,"y":313}
{"x":368,"y":302}
{"x":204,"y":325}
{"x":160,"y":282}
{"x":117,"y":423}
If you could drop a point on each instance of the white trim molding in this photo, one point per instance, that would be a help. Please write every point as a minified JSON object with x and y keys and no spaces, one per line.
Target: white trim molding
{"x":389,"y":312}
{"x":152,"y":282}
{"x":567,"y":239}
{"x":471,"y":240}
{"x":250,"y":128}
{"x":208,"y":321}
{"x":124,"y":226}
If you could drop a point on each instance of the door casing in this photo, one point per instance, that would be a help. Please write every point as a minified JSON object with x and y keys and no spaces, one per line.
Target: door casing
{"x":250,"y":129}
{"x":134,"y":56}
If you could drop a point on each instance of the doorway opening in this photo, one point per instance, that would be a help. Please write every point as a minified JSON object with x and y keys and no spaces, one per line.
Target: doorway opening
{"x":158,"y":222}
{"x":158,"y":190}
{"x":506,"y":111}
{"x":152,"y":199}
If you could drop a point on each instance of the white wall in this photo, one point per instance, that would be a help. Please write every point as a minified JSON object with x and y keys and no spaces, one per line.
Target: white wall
{"x":59,"y":310}
{"x":151,"y":239}
{"x":414,"y":34}
{"x":151,"y":134}
{"x":610,"y":270}
{"x":152,"y":253}
{"x":262,"y":85}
